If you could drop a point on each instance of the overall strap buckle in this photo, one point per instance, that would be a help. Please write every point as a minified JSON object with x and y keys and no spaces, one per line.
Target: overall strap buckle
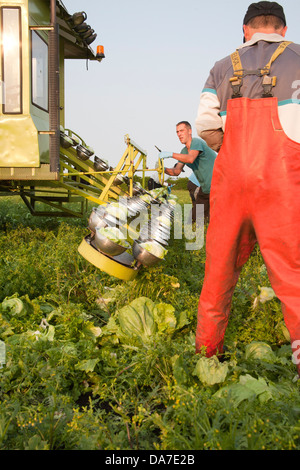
{"x":236,"y":84}
{"x":268,"y":83}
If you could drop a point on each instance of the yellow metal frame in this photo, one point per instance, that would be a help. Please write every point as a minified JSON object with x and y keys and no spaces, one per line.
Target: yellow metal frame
{"x":161,"y":171}
{"x":127,"y":166}
{"x":77,"y":181}
{"x":100,"y":186}
{"x":105,"y":263}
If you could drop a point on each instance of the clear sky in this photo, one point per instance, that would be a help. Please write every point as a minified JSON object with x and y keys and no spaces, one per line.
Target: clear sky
{"x":158,"y":56}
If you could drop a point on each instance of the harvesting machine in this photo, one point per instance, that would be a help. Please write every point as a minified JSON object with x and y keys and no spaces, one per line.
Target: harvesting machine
{"x":50,"y":167}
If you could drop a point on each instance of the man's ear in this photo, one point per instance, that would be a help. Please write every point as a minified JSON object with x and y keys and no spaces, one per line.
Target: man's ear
{"x":246,"y":32}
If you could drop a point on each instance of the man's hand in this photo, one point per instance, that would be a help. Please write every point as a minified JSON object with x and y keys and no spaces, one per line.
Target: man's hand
{"x":163,"y":155}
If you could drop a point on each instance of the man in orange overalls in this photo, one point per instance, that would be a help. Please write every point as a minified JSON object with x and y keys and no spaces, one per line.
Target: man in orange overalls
{"x":249,"y":113}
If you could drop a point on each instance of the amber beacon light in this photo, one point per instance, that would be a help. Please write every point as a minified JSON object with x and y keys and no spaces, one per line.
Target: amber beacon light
{"x":100,"y":52}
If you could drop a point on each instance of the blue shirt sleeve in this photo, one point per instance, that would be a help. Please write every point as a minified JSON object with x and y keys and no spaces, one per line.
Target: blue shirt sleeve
{"x":194,"y":179}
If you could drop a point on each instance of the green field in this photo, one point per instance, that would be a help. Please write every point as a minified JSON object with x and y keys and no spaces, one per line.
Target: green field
{"x":78,"y":375}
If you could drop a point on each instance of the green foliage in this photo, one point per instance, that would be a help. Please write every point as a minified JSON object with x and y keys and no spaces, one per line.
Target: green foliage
{"x":92,"y":362}
{"x":179,"y":183}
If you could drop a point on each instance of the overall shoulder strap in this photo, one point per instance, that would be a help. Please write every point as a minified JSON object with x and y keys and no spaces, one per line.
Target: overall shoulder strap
{"x":236,"y":80}
{"x":236,"y":63}
{"x":280,"y":49}
{"x":268,"y":83}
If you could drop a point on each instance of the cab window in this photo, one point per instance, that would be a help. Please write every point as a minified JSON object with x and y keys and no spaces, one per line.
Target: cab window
{"x":11,"y":60}
{"x":39,"y":71}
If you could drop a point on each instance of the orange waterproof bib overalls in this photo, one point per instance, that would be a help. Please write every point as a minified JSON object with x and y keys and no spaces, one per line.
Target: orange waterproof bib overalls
{"x":255,"y":198}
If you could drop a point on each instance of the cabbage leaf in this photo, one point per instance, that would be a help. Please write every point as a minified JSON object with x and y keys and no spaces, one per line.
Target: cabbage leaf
{"x":210,"y":371}
{"x":13,"y":306}
{"x":260,"y":350}
{"x":115,"y":235}
{"x":248,"y":388}
{"x":154,"y":248}
{"x":137,"y":318}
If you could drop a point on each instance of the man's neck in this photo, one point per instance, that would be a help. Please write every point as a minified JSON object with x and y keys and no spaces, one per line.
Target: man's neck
{"x":188,"y":144}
